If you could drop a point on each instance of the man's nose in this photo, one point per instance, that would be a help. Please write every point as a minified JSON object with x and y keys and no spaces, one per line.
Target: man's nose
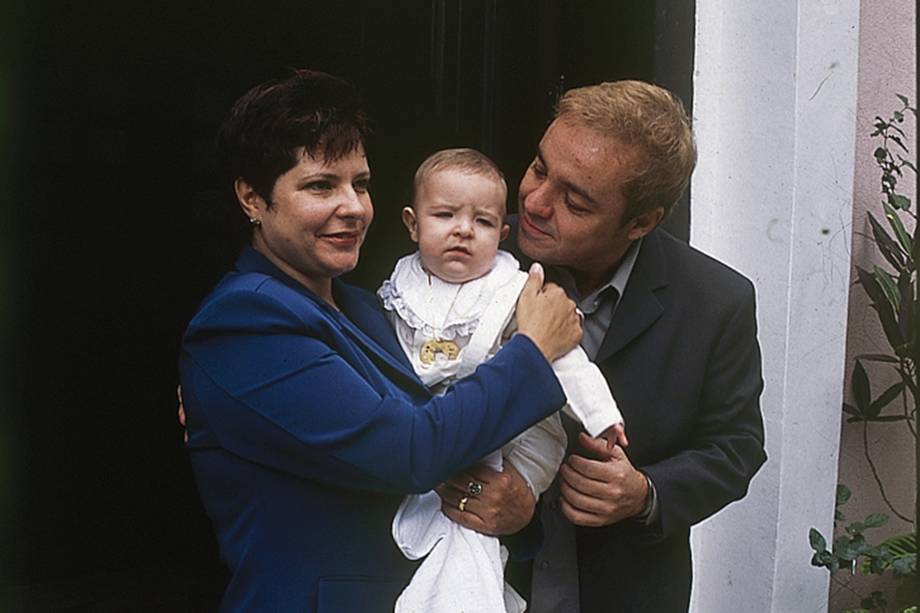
{"x":538,"y":203}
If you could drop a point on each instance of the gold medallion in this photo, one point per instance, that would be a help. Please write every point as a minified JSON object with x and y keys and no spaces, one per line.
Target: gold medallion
{"x":431,"y":348}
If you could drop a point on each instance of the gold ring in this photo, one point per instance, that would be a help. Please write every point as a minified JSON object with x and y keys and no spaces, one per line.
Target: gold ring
{"x":462,"y":504}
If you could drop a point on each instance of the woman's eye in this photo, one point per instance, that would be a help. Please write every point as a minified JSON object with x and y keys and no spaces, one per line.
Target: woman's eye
{"x":362,"y":186}
{"x":318,"y":186}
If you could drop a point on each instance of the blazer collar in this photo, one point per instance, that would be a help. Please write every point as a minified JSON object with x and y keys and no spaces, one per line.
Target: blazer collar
{"x":363,"y":320}
{"x":639,"y":306}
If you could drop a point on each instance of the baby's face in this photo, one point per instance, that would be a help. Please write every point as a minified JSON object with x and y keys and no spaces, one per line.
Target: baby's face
{"x":457,"y":221}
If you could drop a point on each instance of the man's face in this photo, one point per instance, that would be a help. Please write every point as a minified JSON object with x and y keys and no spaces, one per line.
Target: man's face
{"x":571,"y":204}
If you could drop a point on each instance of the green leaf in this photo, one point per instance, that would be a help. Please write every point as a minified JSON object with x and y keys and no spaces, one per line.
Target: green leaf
{"x":881,"y":306}
{"x":875,"y":408}
{"x":898,"y":116}
{"x":885,"y":418}
{"x":889,"y":287}
{"x":842,"y":495}
{"x":860,"y":386}
{"x":876,"y":520}
{"x":903,"y":99}
{"x":849,"y":409}
{"x":856,"y":528}
{"x":898,"y":226}
{"x":900,"y":202}
{"x":887,"y":246}
{"x":877,"y":357}
{"x":817,"y":541}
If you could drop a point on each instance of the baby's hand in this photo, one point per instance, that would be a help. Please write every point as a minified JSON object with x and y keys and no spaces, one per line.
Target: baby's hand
{"x":615,"y":435}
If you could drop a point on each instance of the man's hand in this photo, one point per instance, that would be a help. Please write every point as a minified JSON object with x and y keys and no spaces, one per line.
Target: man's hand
{"x":180,"y":413}
{"x":504,"y":506}
{"x":601,"y":492}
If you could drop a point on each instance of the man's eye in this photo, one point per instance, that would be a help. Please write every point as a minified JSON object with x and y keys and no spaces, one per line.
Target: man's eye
{"x":575,"y":208}
{"x":538,"y":169}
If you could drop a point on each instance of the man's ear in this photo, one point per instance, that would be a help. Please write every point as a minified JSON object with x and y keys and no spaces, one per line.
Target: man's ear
{"x":506,"y":229}
{"x":644,"y":223}
{"x":409,"y":220}
{"x":251,"y":202}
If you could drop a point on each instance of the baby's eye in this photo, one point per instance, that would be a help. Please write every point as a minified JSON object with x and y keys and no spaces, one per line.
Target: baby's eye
{"x":485,"y":222}
{"x":443,"y":214}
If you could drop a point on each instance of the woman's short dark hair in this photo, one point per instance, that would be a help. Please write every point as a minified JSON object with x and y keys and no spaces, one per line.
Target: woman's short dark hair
{"x":267,"y":127}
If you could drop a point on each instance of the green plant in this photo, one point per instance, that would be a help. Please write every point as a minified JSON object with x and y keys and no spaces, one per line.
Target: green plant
{"x":894,"y":296}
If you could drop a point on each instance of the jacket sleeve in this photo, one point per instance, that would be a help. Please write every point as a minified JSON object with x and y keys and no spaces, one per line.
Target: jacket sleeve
{"x":727,"y":444}
{"x":268,"y":383}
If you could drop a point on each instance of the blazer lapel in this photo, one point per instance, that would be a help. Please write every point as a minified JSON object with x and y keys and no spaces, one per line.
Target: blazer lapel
{"x":364,"y":322}
{"x":639,"y":307}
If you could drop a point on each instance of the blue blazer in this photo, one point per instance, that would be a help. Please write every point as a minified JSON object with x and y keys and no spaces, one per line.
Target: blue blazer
{"x":307,"y":427}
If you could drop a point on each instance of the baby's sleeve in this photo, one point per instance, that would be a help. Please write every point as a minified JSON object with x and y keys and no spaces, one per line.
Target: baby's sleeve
{"x":589,"y":399}
{"x":538,"y":452}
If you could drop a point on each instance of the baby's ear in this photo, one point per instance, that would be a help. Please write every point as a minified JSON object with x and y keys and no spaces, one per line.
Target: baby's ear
{"x":408,"y":219}
{"x":506,"y":229}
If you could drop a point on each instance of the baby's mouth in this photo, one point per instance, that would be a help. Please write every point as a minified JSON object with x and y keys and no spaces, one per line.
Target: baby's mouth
{"x":460,"y":249}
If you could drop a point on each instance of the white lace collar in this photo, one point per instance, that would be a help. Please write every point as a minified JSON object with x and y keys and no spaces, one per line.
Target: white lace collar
{"x":437,"y":308}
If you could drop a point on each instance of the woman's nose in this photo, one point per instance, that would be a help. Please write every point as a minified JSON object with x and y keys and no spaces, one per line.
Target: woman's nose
{"x":351,"y":204}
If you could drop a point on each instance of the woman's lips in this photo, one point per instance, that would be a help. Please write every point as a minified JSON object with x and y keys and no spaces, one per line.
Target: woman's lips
{"x":342,"y":239}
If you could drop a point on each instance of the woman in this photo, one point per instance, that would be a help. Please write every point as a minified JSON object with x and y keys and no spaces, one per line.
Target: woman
{"x":306,"y":423}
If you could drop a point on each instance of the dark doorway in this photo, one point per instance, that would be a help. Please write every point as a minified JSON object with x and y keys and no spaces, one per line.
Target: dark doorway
{"x":114,"y":228}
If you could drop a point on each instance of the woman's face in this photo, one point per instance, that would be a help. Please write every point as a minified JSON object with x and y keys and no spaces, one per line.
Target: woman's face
{"x":317,"y":220}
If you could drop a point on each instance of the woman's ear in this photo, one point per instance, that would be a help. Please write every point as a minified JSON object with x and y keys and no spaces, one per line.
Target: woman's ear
{"x":250,"y":201}
{"x":411,"y":223}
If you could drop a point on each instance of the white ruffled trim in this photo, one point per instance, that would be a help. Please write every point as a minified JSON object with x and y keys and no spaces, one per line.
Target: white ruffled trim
{"x":419,"y":298}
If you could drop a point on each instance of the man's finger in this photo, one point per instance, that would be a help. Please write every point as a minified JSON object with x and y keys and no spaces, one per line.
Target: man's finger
{"x":582,"y":501}
{"x":580,"y":518}
{"x":596,"y":488}
{"x":596,"y":447}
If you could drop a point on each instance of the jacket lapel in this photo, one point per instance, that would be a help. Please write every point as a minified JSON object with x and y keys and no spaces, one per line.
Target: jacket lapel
{"x":364,"y":322}
{"x":639,"y":307}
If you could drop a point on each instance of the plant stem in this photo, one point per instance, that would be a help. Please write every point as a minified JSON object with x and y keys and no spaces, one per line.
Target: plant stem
{"x":878,"y":479}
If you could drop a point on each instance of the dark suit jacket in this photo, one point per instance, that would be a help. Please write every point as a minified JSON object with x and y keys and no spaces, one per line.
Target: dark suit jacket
{"x":683,"y":362}
{"x":307,"y":428}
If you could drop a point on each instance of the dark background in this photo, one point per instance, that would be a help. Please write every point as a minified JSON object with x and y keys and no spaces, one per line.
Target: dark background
{"x":113,"y":229}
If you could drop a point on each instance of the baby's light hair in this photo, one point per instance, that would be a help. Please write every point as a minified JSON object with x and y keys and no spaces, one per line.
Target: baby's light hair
{"x":461,"y":159}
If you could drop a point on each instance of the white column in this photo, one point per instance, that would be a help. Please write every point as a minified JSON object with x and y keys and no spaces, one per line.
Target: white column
{"x":774,"y":102}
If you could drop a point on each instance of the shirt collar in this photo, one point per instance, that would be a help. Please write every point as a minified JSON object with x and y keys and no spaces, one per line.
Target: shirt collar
{"x":617,"y":281}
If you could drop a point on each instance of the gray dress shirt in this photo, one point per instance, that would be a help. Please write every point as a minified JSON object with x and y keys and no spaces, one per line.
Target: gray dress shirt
{"x":555,"y":569}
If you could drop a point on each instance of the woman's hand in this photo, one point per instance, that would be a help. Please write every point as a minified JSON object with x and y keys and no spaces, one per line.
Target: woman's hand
{"x":503,"y":505}
{"x":547,"y":316}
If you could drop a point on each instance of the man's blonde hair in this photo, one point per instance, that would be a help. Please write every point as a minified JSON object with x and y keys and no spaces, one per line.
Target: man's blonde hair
{"x":463,"y":160}
{"x":650,"y":120}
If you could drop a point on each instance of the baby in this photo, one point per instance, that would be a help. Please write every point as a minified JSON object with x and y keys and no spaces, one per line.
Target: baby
{"x":452,"y":305}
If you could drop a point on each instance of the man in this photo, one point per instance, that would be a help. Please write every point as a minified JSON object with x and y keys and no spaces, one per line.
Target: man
{"x":674,"y":333}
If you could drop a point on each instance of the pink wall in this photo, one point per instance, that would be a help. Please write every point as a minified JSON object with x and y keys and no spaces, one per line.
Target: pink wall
{"x":887,"y":65}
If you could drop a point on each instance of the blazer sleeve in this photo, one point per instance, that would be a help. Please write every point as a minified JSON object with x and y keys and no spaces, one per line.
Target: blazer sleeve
{"x":272,"y":384}
{"x":727,"y":445}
